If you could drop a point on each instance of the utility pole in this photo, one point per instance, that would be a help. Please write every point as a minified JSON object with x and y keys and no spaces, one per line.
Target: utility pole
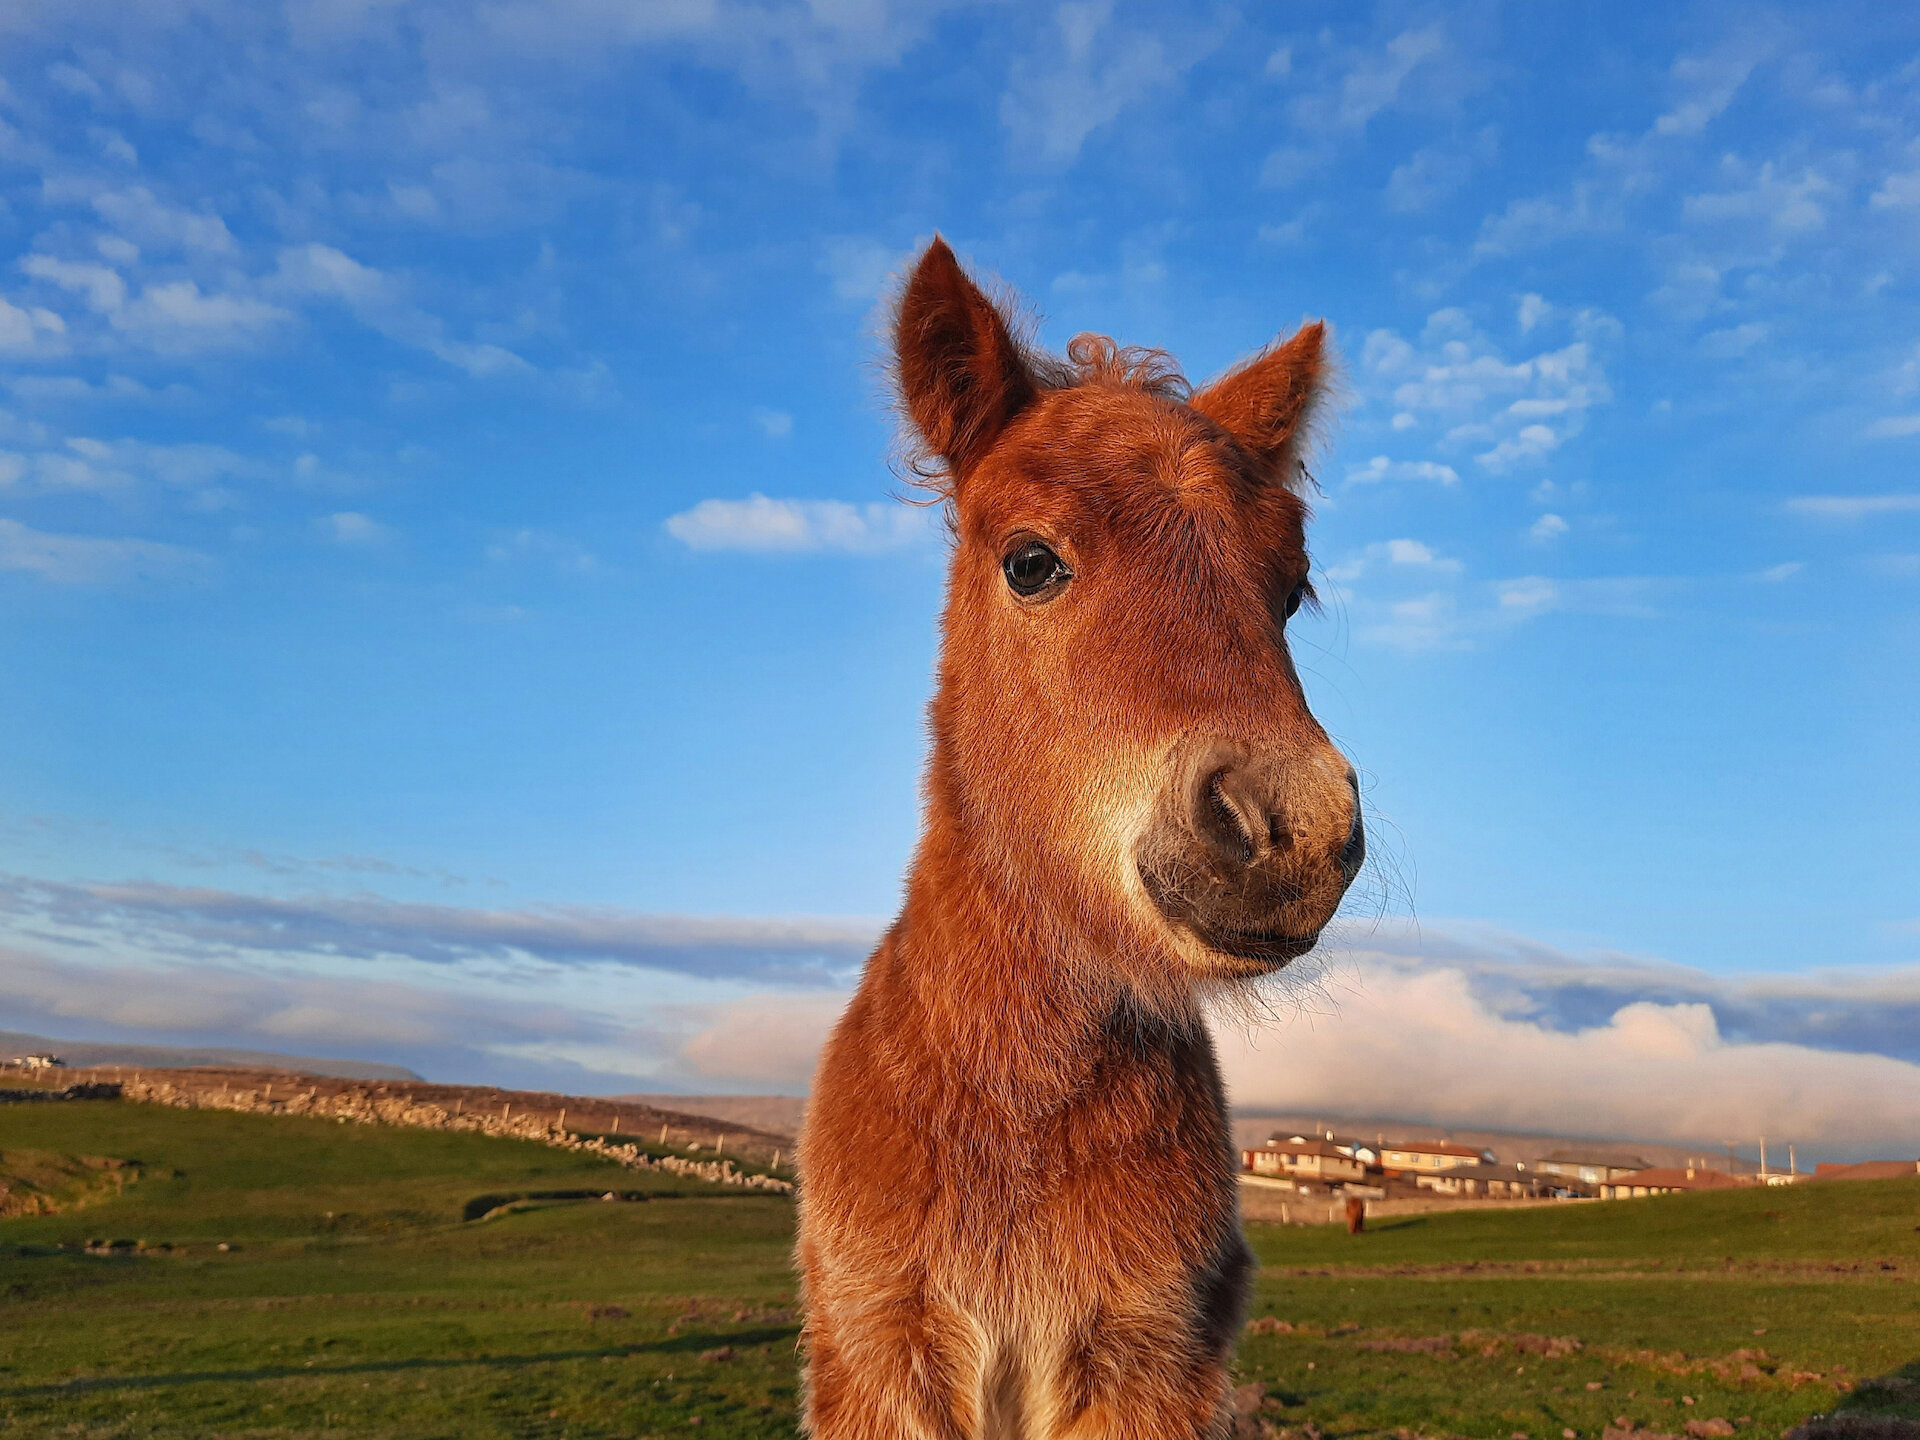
{"x":1763,"y":1157}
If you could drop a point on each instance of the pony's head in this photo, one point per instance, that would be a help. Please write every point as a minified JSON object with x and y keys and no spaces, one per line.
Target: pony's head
{"x":1120,"y":733}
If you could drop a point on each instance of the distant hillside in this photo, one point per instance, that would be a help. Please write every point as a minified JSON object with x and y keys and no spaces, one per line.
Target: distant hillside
{"x":775,"y":1114}
{"x":180,"y":1057}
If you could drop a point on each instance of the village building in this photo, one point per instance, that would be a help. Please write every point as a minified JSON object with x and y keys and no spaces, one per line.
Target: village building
{"x":1300,"y":1159}
{"x":1483,"y":1181}
{"x":1867,"y":1170}
{"x":1669,"y":1181}
{"x":1428,"y":1156}
{"x":1587,"y":1168}
{"x":1365,"y":1151}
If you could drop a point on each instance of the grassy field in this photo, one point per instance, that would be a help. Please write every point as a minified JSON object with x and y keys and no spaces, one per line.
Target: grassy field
{"x":354,"y":1300}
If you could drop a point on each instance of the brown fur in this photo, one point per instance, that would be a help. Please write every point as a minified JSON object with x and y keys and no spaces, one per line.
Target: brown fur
{"x":1019,"y":1215}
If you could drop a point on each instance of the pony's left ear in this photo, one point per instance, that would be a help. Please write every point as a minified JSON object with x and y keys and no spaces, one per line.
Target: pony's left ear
{"x":962,"y":375}
{"x":1267,"y":403}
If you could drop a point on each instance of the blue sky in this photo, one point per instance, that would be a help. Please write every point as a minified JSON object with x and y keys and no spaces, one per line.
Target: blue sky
{"x":447,"y":534}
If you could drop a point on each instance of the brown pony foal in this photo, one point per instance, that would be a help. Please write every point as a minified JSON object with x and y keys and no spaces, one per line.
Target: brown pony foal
{"x":1018,"y":1210}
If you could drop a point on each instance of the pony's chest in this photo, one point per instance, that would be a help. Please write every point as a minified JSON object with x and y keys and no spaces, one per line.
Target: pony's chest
{"x":1067,"y":1211}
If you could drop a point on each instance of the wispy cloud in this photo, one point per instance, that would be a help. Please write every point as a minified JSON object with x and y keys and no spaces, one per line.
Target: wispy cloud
{"x":1442,"y":614}
{"x":764,"y":526}
{"x":1414,"y":555}
{"x":174,"y":920}
{"x":89,"y":560}
{"x":1894,"y":427}
{"x":1506,"y":414}
{"x":1547,"y":528}
{"x":1852,"y":507}
{"x":380,"y":301}
{"x":351,"y":528}
{"x":1381,"y":468}
{"x":1331,"y":111}
{"x":1089,"y":71}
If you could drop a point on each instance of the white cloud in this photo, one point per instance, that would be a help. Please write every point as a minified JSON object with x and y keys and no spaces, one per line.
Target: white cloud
{"x":138,"y":214}
{"x":1707,"y":84}
{"x":86,"y":560}
{"x":1381,"y":468}
{"x":1533,"y":309}
{"x":1328,"y":117}
{"x":772,"y":1042}
{"x":1529,"y":222}
{"x":1424,"y":1047}
{"x":27,"y":331}
{"x":1091,"y":71}
{"x":1547,"y":528}
{"x":1375,"y":82}
{"x":102,"y":285}
{"x":762,"y":525}
{"x":1403,"y":554}
{"x":1433,"y":173}
{"x":1786,"y":570}
{"x":49,"y":389}
{"x":1787,"y":206}
{"x":1898,"y":192}
{"x":315,"y":269}
{"x":481,"y":361}
{"x":1529,"y":443}
{"x":1452,"y":1031}
{"x":1287,"y":234}
{"x":172,"y":317}
{"x":379,"y":301}
{"x":1287,"y":165}
{"x":1852,"y":507}
{"x":1460,"y":617}
{"x":1732,"y":342}
{"x":1894,"y":427}
{"x":177,"y":317}
{"x":774,"y":424}
{"x":859,"y":268}
{"x":542,"y":547}
{"x":1514,"y":411}
{"x":1530,"y":595}
{"x":350,"y":527}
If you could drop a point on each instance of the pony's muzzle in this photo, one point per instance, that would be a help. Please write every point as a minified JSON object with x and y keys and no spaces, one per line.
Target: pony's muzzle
{"x":1250,"y":851}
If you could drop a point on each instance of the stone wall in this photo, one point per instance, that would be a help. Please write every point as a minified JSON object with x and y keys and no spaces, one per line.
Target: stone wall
{"x":379,"y":1103}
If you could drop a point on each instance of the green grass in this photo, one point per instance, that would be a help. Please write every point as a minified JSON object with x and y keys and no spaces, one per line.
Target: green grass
{"x":355,"y":1301}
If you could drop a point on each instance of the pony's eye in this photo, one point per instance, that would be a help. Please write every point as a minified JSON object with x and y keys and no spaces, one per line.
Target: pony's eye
{"x":1033,"y":567}
{"x":1297,"y":597}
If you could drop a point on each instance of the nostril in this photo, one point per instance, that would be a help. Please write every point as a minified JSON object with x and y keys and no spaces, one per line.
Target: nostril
{"x":1222,"y":822}
{"x":1278,"y":835}
{"x":1354,"y":852}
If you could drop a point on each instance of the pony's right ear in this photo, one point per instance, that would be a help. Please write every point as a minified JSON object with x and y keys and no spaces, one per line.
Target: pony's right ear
{"x":962,"y":374}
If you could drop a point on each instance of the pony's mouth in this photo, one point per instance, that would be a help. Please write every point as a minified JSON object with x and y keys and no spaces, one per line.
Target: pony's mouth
{"x":1240,"y":950}
{"x":1268,"y":947}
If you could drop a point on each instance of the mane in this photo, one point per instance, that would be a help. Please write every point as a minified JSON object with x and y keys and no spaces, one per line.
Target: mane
{"x":1097,"y":360}
{"x":1090,"y":360}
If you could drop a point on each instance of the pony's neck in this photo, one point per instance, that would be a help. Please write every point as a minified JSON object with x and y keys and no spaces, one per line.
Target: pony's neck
{"x":1004,"y":1002}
